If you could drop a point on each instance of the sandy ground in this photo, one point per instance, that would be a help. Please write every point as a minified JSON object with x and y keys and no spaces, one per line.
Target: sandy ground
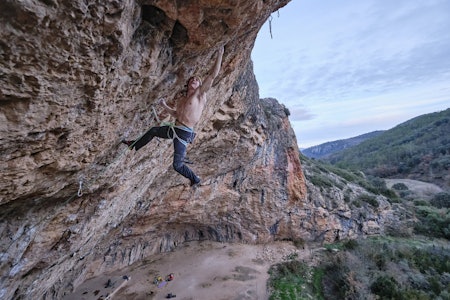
{"x":206,"y":270}
{"x":202,"y":270}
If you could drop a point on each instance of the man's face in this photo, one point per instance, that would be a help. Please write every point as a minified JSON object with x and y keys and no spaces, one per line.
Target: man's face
{"x":194,"y":82}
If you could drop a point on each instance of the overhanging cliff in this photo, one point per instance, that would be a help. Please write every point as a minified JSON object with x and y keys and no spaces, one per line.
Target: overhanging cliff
{"x":79,"y":76}
{"x":76,"y":78}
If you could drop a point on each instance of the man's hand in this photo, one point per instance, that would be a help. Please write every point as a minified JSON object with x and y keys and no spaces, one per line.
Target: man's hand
{"x":169,"y":109}
{"x":214,"y":71}
{"x":216,"y":67}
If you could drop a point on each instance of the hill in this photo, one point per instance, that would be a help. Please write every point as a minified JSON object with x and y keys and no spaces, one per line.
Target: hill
{"x":416,"y":149}
{"x":408,"y":260}
{"x":328,"y":148}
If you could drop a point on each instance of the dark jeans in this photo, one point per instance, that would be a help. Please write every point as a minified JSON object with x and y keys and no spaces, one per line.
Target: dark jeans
{"x":166,"y":132}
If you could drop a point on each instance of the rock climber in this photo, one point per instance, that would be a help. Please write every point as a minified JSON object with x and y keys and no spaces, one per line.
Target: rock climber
{"x":187,"y":113}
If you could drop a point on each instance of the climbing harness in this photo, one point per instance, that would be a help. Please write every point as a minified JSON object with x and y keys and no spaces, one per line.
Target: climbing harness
{"x":175,"y":135}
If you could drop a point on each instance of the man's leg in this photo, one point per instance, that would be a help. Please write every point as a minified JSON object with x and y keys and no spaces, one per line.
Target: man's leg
{"x":178,"y":162}
{"x":162,"y":132}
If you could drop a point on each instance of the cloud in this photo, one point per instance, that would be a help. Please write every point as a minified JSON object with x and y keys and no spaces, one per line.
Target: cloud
{"x":300,"y":113}
{"x":343,"y":67}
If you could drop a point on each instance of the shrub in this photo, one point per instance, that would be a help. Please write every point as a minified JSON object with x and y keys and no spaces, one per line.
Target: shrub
{"x":394,"y":200}
{"x":435,"y":285}
{"x":405,"y":194}
{"x":441,"y":200}
{"x":299,"y":243}
{"x":421,"y":203}
{"x":357,"y":203}
{"x":415,"y":294}
{"x":385,"y":287}
{"x":433,"y":222}
{"x":291,"y":256}
{"x":346,"y":198}
{"x":400,"y":186}
{"x":288,"y":280}
{"x":321,"y":181}
{"x":350,"y":245}
{"x":431,"y":259}
{"x":335,"y":280}
{"x":388,"y":193}
{"x":317,"y":277}
{"x":344,"y":174}
{"x":369,"y":199}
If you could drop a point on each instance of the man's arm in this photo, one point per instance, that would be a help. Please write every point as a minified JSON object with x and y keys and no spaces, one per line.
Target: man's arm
{"x":169,"y":109}
{"x":214,"y":72}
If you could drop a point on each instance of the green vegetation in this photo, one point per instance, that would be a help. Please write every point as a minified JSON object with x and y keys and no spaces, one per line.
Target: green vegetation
{"x":295,"y":280}
{"x":400,"y":187}
{"x":321,"y":181}
{"x":342,"y":245}
{"x":383,"y":267}
{"x":413,"y":260}
{"x":368,"y":199}
{"x":404,"y":265}
{"x":433,"y":222}
{"x":441,"y":200}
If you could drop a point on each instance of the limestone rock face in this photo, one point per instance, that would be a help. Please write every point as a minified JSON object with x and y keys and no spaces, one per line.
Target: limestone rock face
{"x":77,"y":77}
{"x":341,"y":207}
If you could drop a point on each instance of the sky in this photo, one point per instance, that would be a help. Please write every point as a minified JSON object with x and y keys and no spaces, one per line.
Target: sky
{"x":349,"y":67}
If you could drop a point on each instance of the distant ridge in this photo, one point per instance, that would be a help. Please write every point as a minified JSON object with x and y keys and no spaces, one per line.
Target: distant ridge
{"x":416,"y":149}
{"x":328,"y":148}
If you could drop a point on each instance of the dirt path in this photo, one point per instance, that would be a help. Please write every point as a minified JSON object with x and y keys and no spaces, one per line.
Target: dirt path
{"x":419,"y":188}
{"x":202,"y":270}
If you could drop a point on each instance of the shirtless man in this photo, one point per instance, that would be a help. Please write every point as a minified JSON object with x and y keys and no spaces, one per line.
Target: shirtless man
{"x":187,"y":113}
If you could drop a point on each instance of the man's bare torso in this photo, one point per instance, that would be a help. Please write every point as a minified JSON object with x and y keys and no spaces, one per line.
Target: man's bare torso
{"x":189,"y":108}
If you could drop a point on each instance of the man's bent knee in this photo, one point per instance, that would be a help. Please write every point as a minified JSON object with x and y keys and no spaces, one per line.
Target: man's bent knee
{"x":178,"y":166}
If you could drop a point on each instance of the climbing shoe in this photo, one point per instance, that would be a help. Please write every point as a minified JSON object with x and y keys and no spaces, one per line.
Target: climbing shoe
{"x":195,"y":182}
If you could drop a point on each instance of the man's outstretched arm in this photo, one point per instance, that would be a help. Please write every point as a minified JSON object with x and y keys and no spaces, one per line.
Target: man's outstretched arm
{"x":214,"y":71}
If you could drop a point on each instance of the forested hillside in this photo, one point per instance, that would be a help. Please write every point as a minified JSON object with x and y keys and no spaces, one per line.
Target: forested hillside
{"x":416,"y":149}
{"x":326,"y":149}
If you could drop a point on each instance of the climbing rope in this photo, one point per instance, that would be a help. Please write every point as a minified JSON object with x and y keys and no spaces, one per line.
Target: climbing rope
{"x":270,"y":26}
{"x":270,"y":23}
{"x":155,"y":114}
